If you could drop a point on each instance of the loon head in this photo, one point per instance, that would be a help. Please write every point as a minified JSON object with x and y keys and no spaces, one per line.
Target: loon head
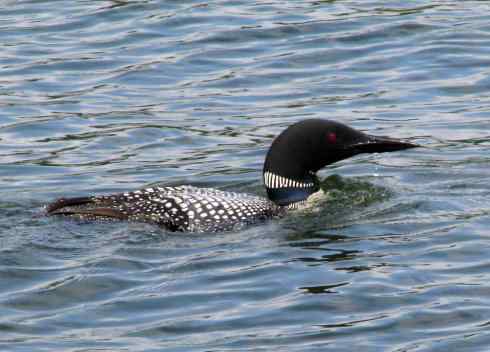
{"x":307,"y":146}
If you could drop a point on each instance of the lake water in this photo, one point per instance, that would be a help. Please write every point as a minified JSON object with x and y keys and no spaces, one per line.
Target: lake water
{"x":106,"y":96}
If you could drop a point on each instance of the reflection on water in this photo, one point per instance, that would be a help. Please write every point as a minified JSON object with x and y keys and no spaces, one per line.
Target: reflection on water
{"x":109,"y":96}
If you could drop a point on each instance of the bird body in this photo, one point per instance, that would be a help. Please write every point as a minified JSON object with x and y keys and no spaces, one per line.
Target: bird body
{"x":289,"y":177}
{"x":182,"y":208}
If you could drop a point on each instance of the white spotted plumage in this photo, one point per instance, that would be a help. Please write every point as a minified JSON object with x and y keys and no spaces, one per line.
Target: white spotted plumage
{"x":188,"y":208}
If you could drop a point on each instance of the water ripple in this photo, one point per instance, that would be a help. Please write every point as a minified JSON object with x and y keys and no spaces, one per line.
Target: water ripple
{"x":113,"y":95}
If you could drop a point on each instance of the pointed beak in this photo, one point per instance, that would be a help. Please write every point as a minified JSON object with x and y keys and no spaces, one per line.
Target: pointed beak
{"x":375,"y":144}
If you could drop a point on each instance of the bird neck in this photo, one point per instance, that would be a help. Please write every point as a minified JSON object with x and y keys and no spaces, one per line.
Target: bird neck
{"x":285,"y":190}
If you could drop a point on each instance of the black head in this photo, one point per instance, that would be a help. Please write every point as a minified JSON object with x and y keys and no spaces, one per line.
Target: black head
{"x":305,"y":147}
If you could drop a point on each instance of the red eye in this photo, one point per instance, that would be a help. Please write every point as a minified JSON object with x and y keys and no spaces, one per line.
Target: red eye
{"x":332,"y":138}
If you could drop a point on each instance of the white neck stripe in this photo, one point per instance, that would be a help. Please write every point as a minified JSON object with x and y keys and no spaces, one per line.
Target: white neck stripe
{"x":272,"y":180}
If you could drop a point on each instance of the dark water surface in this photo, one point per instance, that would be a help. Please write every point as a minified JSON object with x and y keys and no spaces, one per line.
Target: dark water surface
{"x":106,"y":96}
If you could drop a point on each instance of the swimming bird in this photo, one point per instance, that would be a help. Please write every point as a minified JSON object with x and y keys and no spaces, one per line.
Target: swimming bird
{"x":289,"y":176}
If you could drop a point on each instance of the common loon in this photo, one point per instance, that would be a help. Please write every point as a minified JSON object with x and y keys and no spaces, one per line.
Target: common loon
{"x":289,"y":176}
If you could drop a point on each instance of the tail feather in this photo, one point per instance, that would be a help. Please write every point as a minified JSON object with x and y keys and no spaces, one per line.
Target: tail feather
{"x":84,"y":207}
{"x":58,"y":205}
